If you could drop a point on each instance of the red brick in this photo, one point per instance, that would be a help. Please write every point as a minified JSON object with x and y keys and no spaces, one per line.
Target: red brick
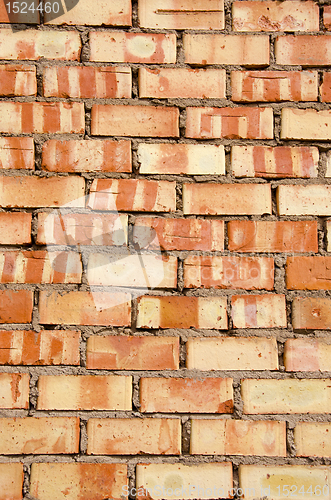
{"x":26,"y":18}
{"x":41,"y":436}
{"x":173,"y":395}
{"x":303,"y":50}
{"x":70,"y":481}
{"x":313,"y":199}
{"x":226,"y":199}
{"x":132,"y":195}
{"x":311,"y":313}
{"x":42,"y":117}
{"x":250,"y":273}
{"x":132,"y":353}
{"x":327,"y":17}
{"x":80,"y":308}
{"x":308,"y":273}
{"x":258,"y":311}
{"x":16,"y":306}
{"x":46,"y":347}
{"x":325,"y":88}
{"x":307,"y":355}
{"x":272,"y":236}
{"x":118,"y":46}
{"x":182,"y":82}
{"x":17,"y":153}
{"x":17,"y":80}
{"x":11,"y":479}
{"x":14,"y":391}
{"x":15,"y":228}
{"x":149,"y":121}
{"x":274,"y":16}
{"x":229,"y":123}
{"x":87,"y":82}
{"x":115,"y":13}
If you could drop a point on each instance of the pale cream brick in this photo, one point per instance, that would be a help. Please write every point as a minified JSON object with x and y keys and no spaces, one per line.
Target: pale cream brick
{"x":114,"y":13}
{"x":258,"y":311}
{"x":14,"y":390}
{"x":306,"y":124}
{"x":304,"y":200}
{"x":309,"y":355}
{"x":11,"y":481}
{"x":313,"y":439}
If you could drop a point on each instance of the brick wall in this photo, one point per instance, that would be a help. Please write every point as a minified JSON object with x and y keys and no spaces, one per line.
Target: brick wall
{"x":200,"y":129}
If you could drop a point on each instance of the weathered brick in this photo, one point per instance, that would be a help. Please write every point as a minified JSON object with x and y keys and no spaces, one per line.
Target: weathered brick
{"x":236,"y":437}
{"x":149,"y":121}
{"x":179,"y":234}
{"x":328,"y":226}
{"x":132,"y":436}
{"x":14,"y":392}
{"x":182,"y":312}
{"x":306,"y":124}
{"x":47,"y":347}
{"x":312,"y":439}
{"x":274,"y":16}
{"x":84,"y":308}
{"x":228,"y":353}
{"x":179,"y":14}
{"x":304,"y":200}
{"x":15,"y":228}
{"x":286,"y":396}
{"x":11,"y":481}
{"x":327,"y":17}
{"x":307,"y":355}
{"x":39,"y":44}
{"x":325,"y":88}
{"x":119,"y":46}
{"x":41,"y":191}
{"x":229,"y":123}
{"x":114,"y":13}
{"x":16,"y":153}
{"x":87,"y":82}
{"x":303,"y":50}
{"x":308,"y":273}
{"x":17,"y":80}
{"x":182,"y":83}
{"x":132,"y":195}
{"x":132,"y":353}
{"x":29,"y":17}
{"x":272,"y":236}
{"x":42,"y":436}
{"x":248,"y":50}
{"x":258,"y":311}
{"x":16,"y":306}
{"x":74,"y":392}
{"x":70,"y":481}
{"x":226,"y":199}
{"x":42,"y":117}
{"x":311,"y":313}
{"x":250,"y":273}
{"x":173,"y":395}
{"x":274,"y":162}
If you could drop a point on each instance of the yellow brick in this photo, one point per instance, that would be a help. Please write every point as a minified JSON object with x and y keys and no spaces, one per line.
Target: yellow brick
{"x":11,"y":481}
{"x":306,"y":124}
{"x":313,"y":439}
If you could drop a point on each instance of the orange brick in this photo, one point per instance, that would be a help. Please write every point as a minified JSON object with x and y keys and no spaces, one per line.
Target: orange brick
{"x":118,"y":46}
{"x":274,"y":16}
{"x":307,"y":355}
{"x":14,"y":391}
{"x":228,"y":353}
{"x":236,"y":437}
{"x":11,"y":481}
{"x":306,"y":124}
{"x":179,"y":14}
{"x":325,"y":88}
{"x":312,"y":439}
{"x":308,"y":273}
{"x":15,"y":228}
{"x":42,"y":117}
{"x":311,"y":313}
{"x":152,"y":436}
{"x":74,"y":392}
{"x":39,"y":44}
{"x":303,"y":50}
{"x":41,"y":191}
{"x":149,"y":121}
{"x":182,"y":312}
{"x":17,"y":80}
{"x":304,"y":200}
{"x":226,"y":199}
{"x":70,"y":481}
{"x":115,"y":13}
{"x":21,"y":17}
{"x":179,"y":234}
{"x":182,"y":82}
{"x":272,"y":236}
{"x":229,"y":123}
{"x":274,"y":162}
{"x":250,"y":273}
{"x":87,"y":156}
{"x":250,"y":50}
{"x":132,"y":195}
{"x":327,"y":17}
{"x":87,"y":82}
{"x":16,"y":306}
{"x":258,"y":311}
{"x":132,"y":353}
{"x":46,"y":347}
{"x":16,"y":153}
{"x":173,"y":395}
{"x":80,"y":308}
{"x":41,"y":436}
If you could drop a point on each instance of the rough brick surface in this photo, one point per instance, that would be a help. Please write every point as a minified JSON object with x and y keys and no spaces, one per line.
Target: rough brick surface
{"x":11,"y":481}
{"x":310,"y":313}
{"x":304,"y":200}
{"x":16,"y":306}
{"x":17,"y":153}
{"x":303,"y":50}
{"x":258,"y":311}
{"x":15,"y":228}
{"x":306,"y":124}
{"x":115,"y":13}
{"x":307,"y":355}
{"x":312,"y":439}
{"x":18,"y":80}
{"x":14,"y":390}
{"x":308,"y":273}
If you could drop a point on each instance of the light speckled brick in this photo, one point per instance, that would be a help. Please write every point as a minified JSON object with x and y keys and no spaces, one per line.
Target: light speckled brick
{"x":182,"y":312}
{"x":313,"y":439}
{"x":304,"y":200}
{"x":308,"y":273}
{"x":303,"y":50}
{"x":311,"y":313}
{"x":17,"y":80}
{"x":228,"y":353}
{"x":11,"y":481}
{"x":114,"y":13}
{"x":132,"y":436}
{"x":325,"y":87}
{"x":306,"y":124}
{"x":286,"y":396}
{"x":15,"y":228}
{"x":236,"y":437}
{"x":327,"y":17}
{"x":16,"y":306}
{"x":309,"y":354}
{"x":258,"y":311}
{"x":17,"y":153}
{"x":14,"y":390}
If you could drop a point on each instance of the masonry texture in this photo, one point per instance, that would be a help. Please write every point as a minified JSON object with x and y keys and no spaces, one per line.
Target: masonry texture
{"x":198,"y":132}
